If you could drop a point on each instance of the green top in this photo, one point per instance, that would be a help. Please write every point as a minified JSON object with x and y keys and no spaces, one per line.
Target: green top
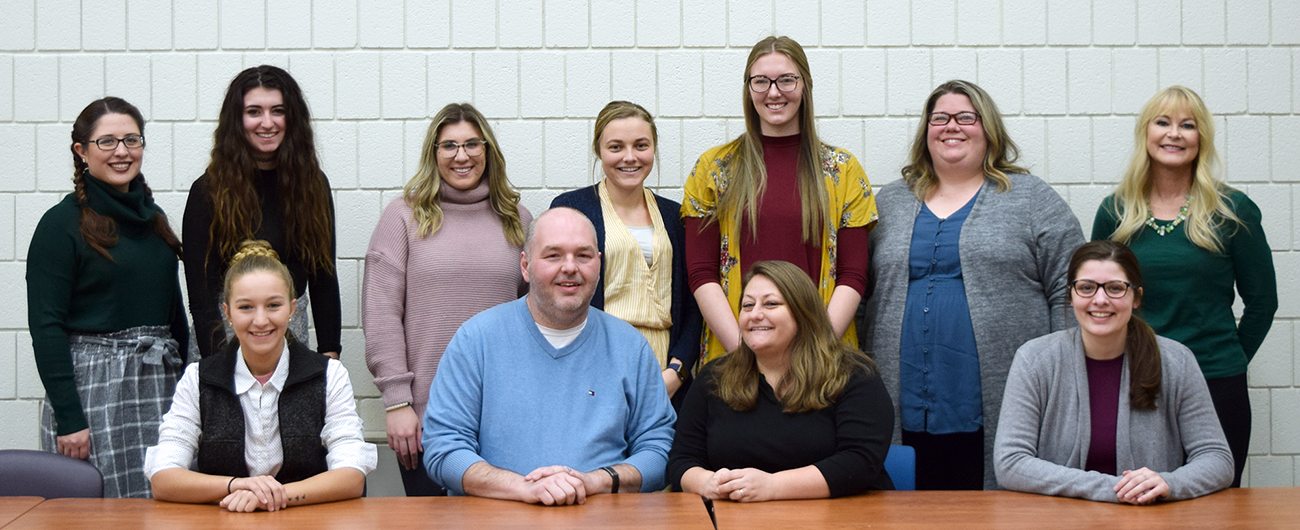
{"x":72,"y":289}
{"x":1188,"y":291}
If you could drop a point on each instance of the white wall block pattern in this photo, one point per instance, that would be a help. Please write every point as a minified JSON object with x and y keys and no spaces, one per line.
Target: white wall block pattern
{"x":612,"y":24}
{"x":18,"y":26}
{"x":1068,"y":76}
{"x":381,"y":24}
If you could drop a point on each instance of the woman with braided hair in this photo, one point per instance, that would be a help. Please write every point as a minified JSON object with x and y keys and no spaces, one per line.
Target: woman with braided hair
{"x":104,"y":303}
{"x":269,"y":423}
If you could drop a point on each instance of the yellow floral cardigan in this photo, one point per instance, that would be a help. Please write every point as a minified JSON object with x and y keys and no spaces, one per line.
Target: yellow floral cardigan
{"x":848,"y":195}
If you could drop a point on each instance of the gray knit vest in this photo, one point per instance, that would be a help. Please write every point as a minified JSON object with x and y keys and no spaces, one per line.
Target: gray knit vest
{"x":301,"y":411}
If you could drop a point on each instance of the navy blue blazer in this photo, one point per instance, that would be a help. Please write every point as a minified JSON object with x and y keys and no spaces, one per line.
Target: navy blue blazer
{"x":684,"y":336}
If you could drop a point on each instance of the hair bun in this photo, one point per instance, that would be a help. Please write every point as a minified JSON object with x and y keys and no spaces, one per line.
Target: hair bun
{"x":254,"y":247}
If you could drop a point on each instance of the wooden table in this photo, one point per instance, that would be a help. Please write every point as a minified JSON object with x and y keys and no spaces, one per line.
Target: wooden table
{"x":656,"y":510}
{"x":12,"y":507}
{"x":1245,"y":508}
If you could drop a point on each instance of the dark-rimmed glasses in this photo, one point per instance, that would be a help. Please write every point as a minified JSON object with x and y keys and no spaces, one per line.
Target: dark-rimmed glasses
{"x":1113,"y":288}
{"x":963,"y":118}
{"x":108,"y":143}
{"x":762,"y":83}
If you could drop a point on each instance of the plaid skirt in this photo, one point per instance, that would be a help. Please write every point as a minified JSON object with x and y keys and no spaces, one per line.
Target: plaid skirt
{"x":125,"y":380}
{"x":297,"y":326}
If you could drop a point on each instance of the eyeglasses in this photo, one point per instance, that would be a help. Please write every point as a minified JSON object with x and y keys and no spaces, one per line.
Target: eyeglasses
{"x":109,"y":143}
{"x":1113,"y":288}
{"x":473,"y":147}
{"x":963,"y":118}
{"x":762,"y":83}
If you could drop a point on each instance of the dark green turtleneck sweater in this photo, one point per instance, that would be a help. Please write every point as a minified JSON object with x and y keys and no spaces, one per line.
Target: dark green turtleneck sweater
{"x":71,"y":288}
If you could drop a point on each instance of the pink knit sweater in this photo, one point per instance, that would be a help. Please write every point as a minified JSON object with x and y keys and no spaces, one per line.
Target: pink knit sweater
{"x":419,"y":290}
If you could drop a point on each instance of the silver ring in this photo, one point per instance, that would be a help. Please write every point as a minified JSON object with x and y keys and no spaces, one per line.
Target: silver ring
{"x":742,"y":492}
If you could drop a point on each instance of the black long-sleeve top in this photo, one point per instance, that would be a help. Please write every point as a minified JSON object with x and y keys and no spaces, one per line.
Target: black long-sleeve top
{"x":847,"y":441}
{"x":205,"y":267}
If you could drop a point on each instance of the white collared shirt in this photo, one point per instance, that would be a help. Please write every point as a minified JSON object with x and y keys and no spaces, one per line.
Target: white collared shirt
{"x":179,"y":434}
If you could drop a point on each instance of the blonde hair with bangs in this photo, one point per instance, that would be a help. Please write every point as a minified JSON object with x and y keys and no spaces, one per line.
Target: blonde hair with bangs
{"x":1207,"y":205}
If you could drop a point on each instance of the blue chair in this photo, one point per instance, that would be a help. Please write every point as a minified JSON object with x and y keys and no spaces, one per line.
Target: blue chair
{"x":900,"y":463}
{"x":49,"y":475}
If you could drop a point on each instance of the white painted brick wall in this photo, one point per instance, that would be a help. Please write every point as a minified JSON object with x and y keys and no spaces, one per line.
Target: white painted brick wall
{"x":1069,"y":77}
{"x":381,"y":24}
{"x":612,"y":24}
{"x":888,"y":23}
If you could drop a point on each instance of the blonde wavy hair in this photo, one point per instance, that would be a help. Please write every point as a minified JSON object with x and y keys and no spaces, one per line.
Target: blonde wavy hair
{"x":1208,"y":208}
{"x":999,"y":158}
{"x":424,"y":191}
{"x":820,"y":363}
{"x":748,"y":179}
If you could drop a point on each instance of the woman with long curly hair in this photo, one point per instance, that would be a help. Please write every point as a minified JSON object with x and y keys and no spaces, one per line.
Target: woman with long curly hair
{"x":104,"y":303}
{"x":264,"y":182}
{"x":1201,"y":243}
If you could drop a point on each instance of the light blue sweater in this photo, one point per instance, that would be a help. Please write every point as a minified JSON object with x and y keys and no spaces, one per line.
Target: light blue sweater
{"x":503,"y":394}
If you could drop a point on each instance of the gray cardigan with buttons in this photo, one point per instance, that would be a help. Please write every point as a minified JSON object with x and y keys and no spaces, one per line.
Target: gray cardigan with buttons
{"x":1015,"y":249}
{"x":1043,"y":437}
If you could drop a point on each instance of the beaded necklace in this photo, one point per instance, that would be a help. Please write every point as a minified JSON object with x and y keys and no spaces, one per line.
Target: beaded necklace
{"x":1165,"y":229}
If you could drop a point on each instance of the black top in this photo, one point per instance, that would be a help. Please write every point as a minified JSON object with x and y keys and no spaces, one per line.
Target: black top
{"x":684,"y":336}
{"x":847,"y":441}
{"x":205,"y":268}
{"x":71,"y":288}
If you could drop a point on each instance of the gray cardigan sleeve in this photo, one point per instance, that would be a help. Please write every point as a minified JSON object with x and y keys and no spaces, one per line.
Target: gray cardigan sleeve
{"x":1043,"y":434}
{"x":1208,"y":467}
{"x":1025,"y":408}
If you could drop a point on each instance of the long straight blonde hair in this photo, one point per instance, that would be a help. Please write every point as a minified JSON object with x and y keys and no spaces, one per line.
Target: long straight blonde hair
{"x":424,"y":190}
{"x":1207,"y":204}
{"x":744,"y":190}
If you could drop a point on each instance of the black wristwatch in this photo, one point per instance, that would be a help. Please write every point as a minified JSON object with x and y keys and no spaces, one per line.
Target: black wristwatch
{"x":613,"y":475}
{"x":680,"y":369}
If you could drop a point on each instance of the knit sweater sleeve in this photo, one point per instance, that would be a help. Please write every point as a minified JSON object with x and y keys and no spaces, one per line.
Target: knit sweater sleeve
{"x":1057,"y":235}
{"x":323,"y":282}
{"x":1025,"y":409}
{"x":1252,"y":265}
{"x":203,"y":266}
{"x":1207,"y":467}
{"x":51,"y":273}
{"x":383,"y":305}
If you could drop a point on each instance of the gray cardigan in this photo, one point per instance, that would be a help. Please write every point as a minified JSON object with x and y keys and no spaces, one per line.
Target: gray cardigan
{"x":1042,"y":442}
{"x":1015,"y":249}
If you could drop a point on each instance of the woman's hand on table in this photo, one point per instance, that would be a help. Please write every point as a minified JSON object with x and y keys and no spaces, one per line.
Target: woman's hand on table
{"x":746,"y":485}
{"x":1142,"y":486}
{"x":268,"y":493}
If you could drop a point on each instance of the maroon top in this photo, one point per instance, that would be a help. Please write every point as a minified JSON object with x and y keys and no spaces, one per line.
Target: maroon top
{"x":780,"y":229}
{"x":1103,"y":401}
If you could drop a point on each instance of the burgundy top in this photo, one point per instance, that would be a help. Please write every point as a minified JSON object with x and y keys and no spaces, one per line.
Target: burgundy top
{"x":1103,"y":401}
{"x":780,"y":229}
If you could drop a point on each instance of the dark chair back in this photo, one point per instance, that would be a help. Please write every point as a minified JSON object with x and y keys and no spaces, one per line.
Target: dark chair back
{"x":49,"y":475}
{"x":900,"y":463}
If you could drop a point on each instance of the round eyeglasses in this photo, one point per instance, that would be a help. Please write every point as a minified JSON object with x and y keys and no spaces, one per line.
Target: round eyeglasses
{"x":108,"y":143}
{"x":472,"y":146}
{"x":1113,"y":288}
{"x":762,"y":83}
